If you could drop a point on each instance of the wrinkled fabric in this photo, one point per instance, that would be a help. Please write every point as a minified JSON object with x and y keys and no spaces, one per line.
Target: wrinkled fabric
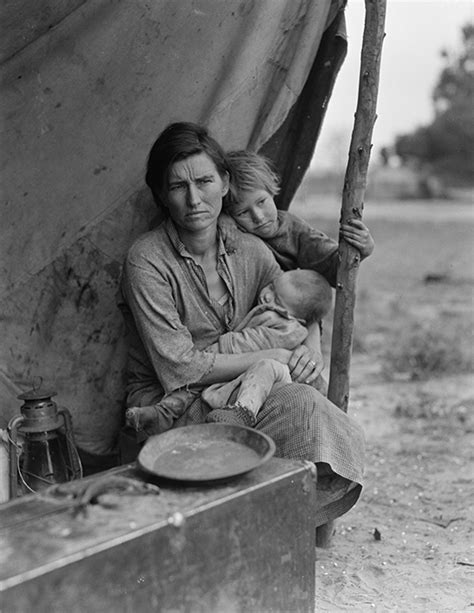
{"x":307,"y":426}
{"x":251,"y":388}
{"x":296,"y":244}
{"x":289,"y":334}
{"x":170,"y":317}
{"x":159,"y":417}
{"x":173,"y":314}
{"x":86,"y":88}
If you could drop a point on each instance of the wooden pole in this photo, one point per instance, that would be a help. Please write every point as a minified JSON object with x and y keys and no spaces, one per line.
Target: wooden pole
{"x":355,"y":182}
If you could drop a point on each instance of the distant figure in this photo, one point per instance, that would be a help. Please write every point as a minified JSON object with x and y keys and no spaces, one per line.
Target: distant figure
{"x":384,"y":156}
{"x":429,"y":186}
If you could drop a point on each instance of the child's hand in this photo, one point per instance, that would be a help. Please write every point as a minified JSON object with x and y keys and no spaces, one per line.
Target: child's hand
{"x":358,"y":235}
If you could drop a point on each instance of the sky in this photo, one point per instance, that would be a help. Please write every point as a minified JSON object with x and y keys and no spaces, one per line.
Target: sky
{"x":416,"y":32}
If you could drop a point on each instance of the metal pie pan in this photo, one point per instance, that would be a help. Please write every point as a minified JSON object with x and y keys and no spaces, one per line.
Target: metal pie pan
{"x":205,"y":452}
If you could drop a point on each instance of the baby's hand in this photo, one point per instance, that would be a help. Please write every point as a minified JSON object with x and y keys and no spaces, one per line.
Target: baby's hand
{"x":357,"y":234}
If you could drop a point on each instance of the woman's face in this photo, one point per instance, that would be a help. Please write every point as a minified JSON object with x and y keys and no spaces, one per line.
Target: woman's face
{"x":194,"y":192}
{"x":256,"y":212}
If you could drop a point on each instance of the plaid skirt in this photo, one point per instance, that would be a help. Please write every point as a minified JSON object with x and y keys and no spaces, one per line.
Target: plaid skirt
{"x":307,"y":426}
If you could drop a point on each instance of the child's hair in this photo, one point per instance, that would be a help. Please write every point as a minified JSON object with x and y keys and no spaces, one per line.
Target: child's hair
{"x":312,"y":295}
{"x":250,"y":171}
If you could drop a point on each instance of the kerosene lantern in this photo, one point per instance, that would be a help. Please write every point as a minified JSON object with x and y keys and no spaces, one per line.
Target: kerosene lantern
{"x":47,"y":453}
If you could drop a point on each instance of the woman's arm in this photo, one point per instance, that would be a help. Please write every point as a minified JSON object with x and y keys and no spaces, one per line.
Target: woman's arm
{"x":173,"y":321}
{"x":306,"y":361}
{"x":161,"y":346}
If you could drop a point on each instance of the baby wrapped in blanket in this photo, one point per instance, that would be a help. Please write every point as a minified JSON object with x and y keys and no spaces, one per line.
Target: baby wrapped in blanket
{"x":294,"y":300}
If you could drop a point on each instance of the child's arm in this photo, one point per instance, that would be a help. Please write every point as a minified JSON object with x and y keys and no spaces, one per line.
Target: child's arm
{"x":266,"y":330}
{"x":357,"y":234}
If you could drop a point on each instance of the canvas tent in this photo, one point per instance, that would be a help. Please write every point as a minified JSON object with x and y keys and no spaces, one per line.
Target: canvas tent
{"x":86,"y":88}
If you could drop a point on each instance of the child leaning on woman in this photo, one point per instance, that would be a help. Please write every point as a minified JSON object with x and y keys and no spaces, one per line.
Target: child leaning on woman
{"x":296,"y":245}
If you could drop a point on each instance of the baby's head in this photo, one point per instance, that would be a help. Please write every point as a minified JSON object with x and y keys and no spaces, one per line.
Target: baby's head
{"x":305,"y":294}
{"x":252,"y":189}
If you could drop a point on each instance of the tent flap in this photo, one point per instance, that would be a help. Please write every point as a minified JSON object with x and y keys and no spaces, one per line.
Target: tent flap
{"x":86,"y":88}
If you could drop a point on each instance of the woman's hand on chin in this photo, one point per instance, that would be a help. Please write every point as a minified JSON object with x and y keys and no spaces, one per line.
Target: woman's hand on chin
{"x":305,"y":365}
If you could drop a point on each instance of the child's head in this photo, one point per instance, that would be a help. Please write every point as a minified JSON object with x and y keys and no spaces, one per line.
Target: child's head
{"x":252,"y":189}
{"x":305,"y":294}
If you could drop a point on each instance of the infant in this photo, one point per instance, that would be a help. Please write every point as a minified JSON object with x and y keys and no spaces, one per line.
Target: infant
{"x":301,"y":295}
{"x":296,"y":298}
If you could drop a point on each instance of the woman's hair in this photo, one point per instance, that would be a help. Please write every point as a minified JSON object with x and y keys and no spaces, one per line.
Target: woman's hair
{"x":312,"y":295}
{"x":250,"y":171}
{"x":177,"y":142}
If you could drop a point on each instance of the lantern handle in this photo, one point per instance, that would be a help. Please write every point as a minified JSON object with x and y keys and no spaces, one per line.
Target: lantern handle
{"x":14,"y":454}
{"x":76,"y":468}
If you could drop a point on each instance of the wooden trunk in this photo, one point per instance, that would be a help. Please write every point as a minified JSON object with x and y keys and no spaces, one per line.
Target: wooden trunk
{"x":244,"y":546}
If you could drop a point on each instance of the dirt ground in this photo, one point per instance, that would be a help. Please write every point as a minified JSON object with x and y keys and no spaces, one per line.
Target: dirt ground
{"x":407,"y":544}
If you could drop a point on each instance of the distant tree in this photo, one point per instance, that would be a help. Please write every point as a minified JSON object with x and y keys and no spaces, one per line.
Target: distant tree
{"x":446,"y":146}
{"x":455,"y":84}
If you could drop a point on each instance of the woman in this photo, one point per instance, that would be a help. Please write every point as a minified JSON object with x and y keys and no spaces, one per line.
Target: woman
{"x":187,"y":284}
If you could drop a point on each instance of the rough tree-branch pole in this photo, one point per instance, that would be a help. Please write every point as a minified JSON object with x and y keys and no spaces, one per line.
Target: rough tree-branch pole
{"x":355,"y":182}
{"x":353,"y":200}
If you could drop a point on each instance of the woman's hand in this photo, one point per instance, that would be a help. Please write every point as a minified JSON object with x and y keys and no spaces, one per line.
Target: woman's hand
{"x":305,"y":365}
{"x":357,"y":234}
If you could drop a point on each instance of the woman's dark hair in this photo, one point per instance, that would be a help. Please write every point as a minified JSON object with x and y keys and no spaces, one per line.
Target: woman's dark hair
{"x":177,"y":142}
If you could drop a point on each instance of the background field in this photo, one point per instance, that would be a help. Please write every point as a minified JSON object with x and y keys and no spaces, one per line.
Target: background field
{"x":407,"y":544}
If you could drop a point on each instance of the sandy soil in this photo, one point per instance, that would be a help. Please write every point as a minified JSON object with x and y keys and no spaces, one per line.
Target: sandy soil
{"x":407,"y":544}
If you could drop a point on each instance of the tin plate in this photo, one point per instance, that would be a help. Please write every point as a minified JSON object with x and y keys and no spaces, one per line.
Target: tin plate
{"x":205,"y":452}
